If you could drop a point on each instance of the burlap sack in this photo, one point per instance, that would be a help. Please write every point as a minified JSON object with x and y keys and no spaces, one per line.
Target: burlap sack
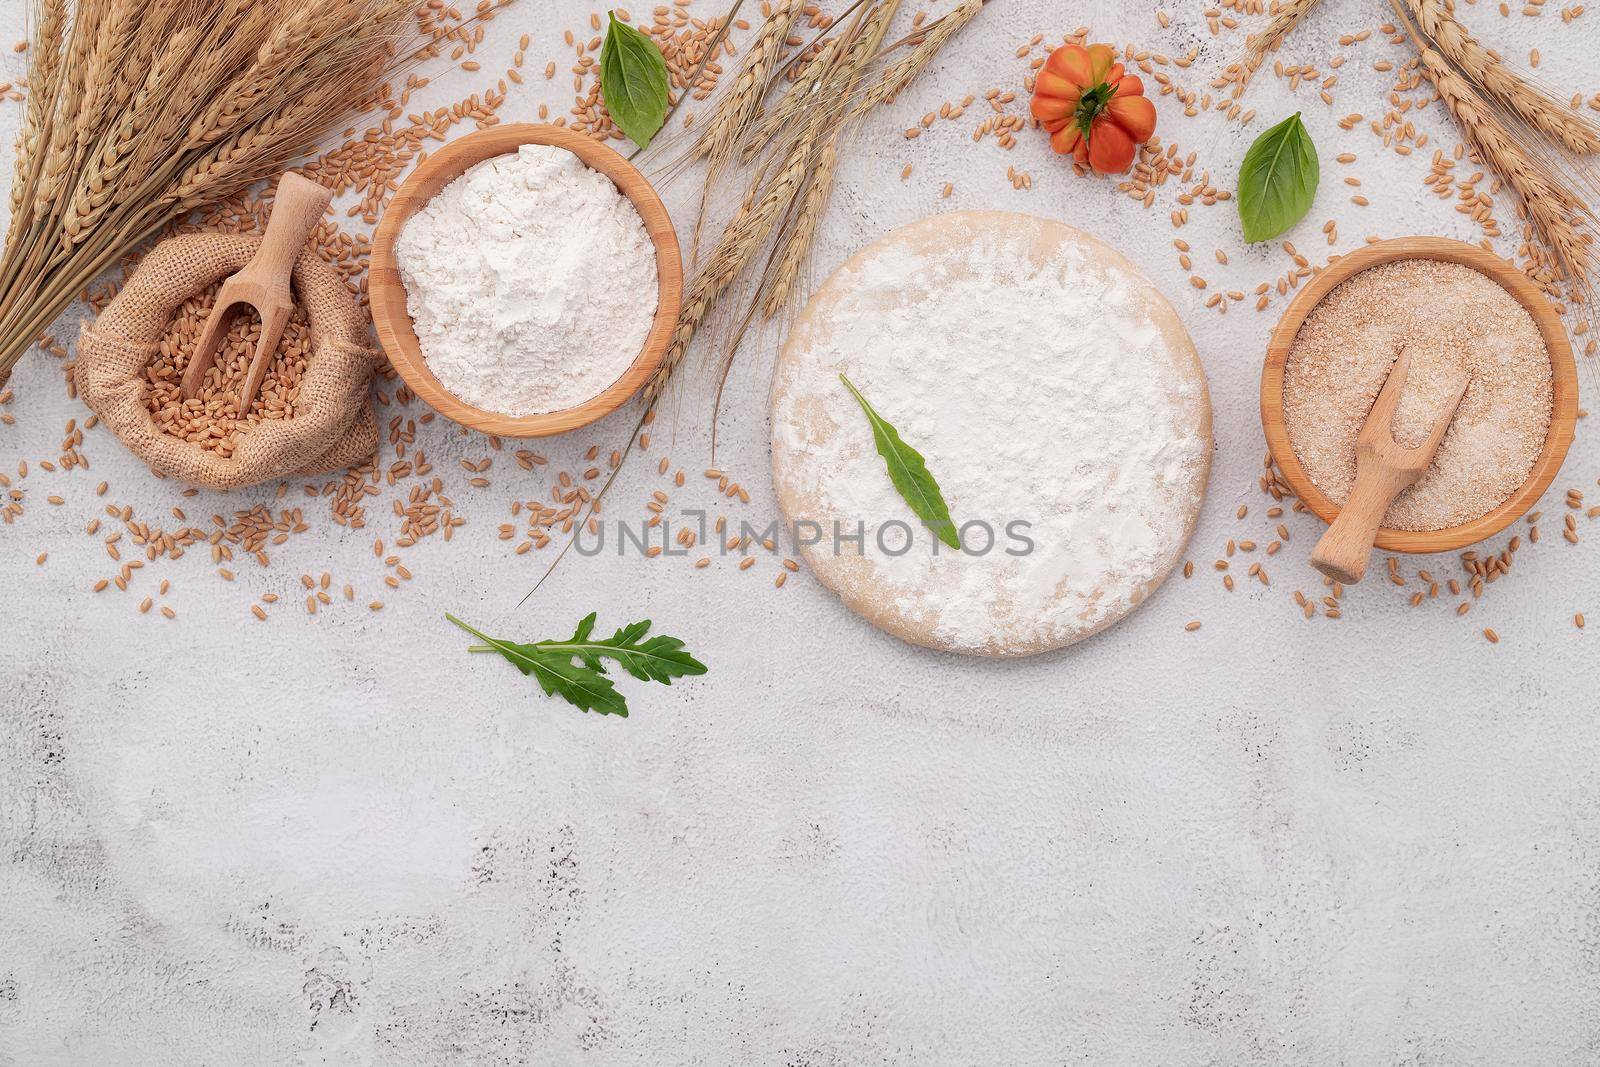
{"x":333,"y":427}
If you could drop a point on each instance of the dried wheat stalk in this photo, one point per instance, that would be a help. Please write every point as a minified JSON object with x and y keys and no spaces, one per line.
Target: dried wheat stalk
{"x":798,"y":225}
{"x":752,"y":224}
{"x":817,"y":85}
{"x":1285,"y":18}
{"x":795,"y":246}
{"x":859,"y":47}
{"x":44,"y":76}
{"x":1554,"y":210}
{"x":839,"y":84}
{"x":806,"y":91}
{"x":765,"y":202}
{"x":737,"y":108}
{"x":929,"y":43}
{"x":1493,"y":75}
{"x":808,"y":161}
{"x":1561,"y":238}
{"x":140,"y":111}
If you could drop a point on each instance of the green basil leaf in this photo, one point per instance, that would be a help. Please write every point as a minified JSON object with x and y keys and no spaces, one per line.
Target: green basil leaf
{"x":633,"y":81}
{"x":909,"y":473}
{"x":1278,"y":180}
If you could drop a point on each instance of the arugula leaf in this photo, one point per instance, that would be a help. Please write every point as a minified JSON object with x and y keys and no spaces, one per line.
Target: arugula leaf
{"x":1277,"y":180}
{"x":909,"y":473}
{"x":634,"y":81}
{"x":574,"y":669}
{"x":659,"y":659}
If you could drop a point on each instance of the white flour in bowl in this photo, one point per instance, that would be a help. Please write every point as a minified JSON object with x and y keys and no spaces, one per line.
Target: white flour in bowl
{"x":531,"y":282}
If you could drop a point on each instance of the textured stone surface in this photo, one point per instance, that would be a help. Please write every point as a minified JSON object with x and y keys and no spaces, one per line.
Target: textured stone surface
{"x":341,"y":839}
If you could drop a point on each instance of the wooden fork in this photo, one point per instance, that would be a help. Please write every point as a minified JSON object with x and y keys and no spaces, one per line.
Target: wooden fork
{"x":263,"y":284}
{"x":1383,"y":468}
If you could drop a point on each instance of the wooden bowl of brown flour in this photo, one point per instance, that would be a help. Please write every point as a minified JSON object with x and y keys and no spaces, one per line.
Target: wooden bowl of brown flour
{"x":1458,"y":310}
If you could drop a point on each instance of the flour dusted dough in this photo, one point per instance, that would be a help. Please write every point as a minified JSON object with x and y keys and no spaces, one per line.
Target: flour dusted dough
{"x":1043,"y":378}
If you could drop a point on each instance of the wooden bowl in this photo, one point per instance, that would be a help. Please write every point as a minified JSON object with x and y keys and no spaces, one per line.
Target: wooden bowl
{"x":388,"y":294}
{"x":1563,"y":384}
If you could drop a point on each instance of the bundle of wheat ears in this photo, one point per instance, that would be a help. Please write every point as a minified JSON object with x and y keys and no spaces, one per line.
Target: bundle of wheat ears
{"x":790,"y":143}
{"x":140,"y":111}
{"x":785,"y":123}
{"x":1539,"y":147}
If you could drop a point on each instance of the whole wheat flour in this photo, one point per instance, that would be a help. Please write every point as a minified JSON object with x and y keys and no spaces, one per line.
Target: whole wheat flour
{"x":531,"y":282}
{"x":1455,"y":322}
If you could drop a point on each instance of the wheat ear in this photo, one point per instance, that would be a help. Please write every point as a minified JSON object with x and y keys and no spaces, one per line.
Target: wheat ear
{"x":1286,"y":17}
{"x":45,"y":121}
{"x":45,"y":65}
{"x":1487,"y":70}
{"x":1557,"y":238}
{"x":106,"y":159}
{"x":102,"y":180}
{"x":1548,"y":204}
{"x":796,"y":246}
{"x":737,"y":108}
{"x":67,"y":105}
{"x":744,"y":235}
{"x":113,"y":44}
{"x":904,"y":71}
{"x":805,"y":90}
{"x":254,"y":84}
{"x":839,"y":82}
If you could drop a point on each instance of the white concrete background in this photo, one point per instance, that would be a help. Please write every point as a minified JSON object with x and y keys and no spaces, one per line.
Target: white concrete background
{"x":341,"y":839}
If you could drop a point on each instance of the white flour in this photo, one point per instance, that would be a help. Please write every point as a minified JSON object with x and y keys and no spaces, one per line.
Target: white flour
{"x":1038,"y":387}
{"x":531,"y":282}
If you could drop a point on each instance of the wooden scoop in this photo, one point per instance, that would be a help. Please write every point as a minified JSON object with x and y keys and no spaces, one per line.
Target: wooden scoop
{"x":1383,"y":468}
{"x":263,"y":284}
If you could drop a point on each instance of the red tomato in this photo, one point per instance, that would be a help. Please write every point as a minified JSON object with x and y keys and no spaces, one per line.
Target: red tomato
{"x":1093,"y":110}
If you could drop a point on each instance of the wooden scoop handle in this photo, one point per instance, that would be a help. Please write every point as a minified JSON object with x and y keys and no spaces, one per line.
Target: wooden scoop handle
{"x":1383,"y":468}
{"x":297,"y":207}
{"x":1345,"y":548}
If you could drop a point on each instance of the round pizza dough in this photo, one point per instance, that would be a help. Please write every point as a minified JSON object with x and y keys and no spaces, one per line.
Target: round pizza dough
{"x":1056,"y":398}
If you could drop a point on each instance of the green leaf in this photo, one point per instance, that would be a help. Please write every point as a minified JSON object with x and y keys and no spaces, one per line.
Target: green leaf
{"x":578,"y":684}
{"x":909,"y":473}
{"x":1278,"y":180}
{"x":574,"y":669}
{"x":581,"y":686}
{"x":634,"y":81}
{"x":658,"y":659}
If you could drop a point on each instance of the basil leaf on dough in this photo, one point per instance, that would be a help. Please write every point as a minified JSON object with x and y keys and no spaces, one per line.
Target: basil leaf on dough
{"x":633,"y":82}
{"x":909,"y":473}
{"x":1278,"y":180}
